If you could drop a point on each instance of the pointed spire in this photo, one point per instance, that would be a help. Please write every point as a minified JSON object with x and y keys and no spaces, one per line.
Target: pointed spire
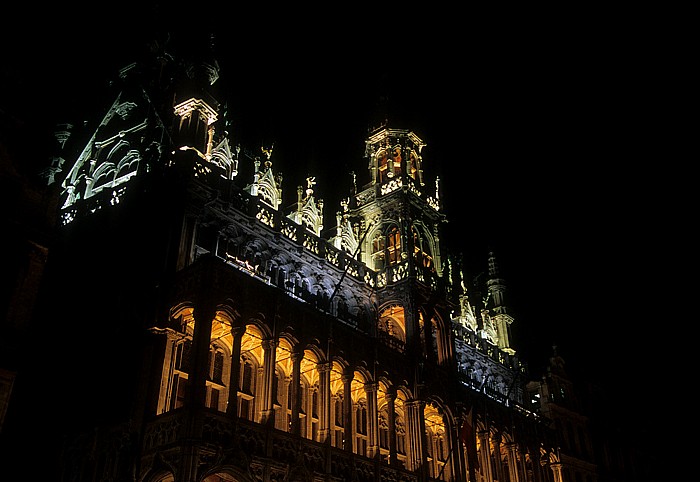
{"x":493,"y":266}
{"x":379,"y":117}
{"x":496,"y":286}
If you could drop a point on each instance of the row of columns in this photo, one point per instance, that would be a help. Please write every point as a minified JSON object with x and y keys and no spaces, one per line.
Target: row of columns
{"x":416,"y":445}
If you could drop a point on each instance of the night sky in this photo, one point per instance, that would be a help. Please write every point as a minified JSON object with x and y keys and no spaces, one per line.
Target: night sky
{"x":543,"y":137}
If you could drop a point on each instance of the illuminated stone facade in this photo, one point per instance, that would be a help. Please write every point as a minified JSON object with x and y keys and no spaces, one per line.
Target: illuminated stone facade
{"x":233,"y":343}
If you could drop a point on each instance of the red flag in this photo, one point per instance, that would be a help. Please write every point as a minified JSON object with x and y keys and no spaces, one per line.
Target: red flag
{"x":468,"y":437}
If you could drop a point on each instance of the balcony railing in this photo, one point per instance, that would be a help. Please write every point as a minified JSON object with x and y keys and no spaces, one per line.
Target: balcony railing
{"x":261,"y":442}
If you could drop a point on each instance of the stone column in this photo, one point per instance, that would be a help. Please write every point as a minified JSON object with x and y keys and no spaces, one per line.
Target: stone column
{"x":296,"y":392}
{"x":512,"y":448}
{"x":204,"y":314}
{"x":485,"y":455}
{"x":556,"y":471}
{"x":497,"y":456}
{"x":415,"y":436}
{"x":537,"y":470}
{"x":324,"y":386}
{"x":372,"y":419}
{"x":347,"y":410}
{"x":391,"y":399}
{"x":268,"y":375}
{"x":456,"y":458}
{"x":166,"y":389}
{"x":235,"y":375}
{"x":257,"y":391}
{"x":522,"y":466}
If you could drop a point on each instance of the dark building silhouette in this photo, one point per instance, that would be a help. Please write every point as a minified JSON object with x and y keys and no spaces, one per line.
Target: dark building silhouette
{"x":172,"y":319}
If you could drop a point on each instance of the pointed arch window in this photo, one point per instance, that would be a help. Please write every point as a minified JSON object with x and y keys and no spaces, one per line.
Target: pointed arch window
{"x":339,"y":410}
{"x":338,"y":420}
{"x":182,"y":356}
{"x":337,"y":415}
{"x":180,"y":379}
{"x":246,"y":394}
{"x":393,"y":246}
{"x":216,"y":365}
{"x":288,"y":404}
{"x":361,"y":427}
{"x":413,"y":165}
{"x":384,"y":429}
{"x":392,"y":327}
{"x":400,"y":429}
{"x":422,"y":252}
{"x":440,"y":346}
{"x":314,"y":422}
{"x":385,"y":165}
{"x":279,"y":394}
{"x":400,"y":439}
{"x":216,"y":390}
{"x":385,"y":248}
{"x":378,"y":256}
{"x":304,"y":397}
{"x":437,"y":445}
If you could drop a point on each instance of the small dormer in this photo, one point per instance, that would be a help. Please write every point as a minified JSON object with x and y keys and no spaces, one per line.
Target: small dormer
{"x":267,"y":185}
{"x":309,"y":211}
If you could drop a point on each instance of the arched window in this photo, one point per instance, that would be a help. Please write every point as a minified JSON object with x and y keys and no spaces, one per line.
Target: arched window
{"x":384,"y":429}
{"x":401,"y":439}
{"x":339,"y":409}
{"x":314,"y":422}
{"x":400,"y":428}
{"x":392,"y":323}
{"x":283,"y":390}
{"x":246,"y":394}
{"x":361,"y":427}
{"x":303,"y":395}
{"x":309,"y":398}
{"x":216,"y":365}
{"x":359,"y":413}
{"x":413,"y":165}
{"x":216,"y":389}
{"x":385,"y":165}
{"x":275,"y":390}
{"x":177,"y":372}
{"x":338,"y":421}
{"x":337,"y":417}
{"x":422,"y":253}
{"x":377,"y":250}
{"x":180,"y":379}
{"x":393,"y":246}
{"x":290,"y":399}
{"x":437,"y":444}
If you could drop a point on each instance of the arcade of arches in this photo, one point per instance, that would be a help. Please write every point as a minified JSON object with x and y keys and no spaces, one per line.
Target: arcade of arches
{"x":307,"y":391}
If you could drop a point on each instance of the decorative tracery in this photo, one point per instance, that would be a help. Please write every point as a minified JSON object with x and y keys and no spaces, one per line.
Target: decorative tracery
{"x":266,"y":185}
{"x":309,"y":211}
{"x":393,"y":323}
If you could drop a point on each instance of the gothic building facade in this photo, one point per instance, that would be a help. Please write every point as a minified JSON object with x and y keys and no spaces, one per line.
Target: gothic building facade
{"x":195,"y":329}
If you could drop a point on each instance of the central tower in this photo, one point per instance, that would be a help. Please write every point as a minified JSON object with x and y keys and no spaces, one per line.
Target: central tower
{"x":392,"y":224}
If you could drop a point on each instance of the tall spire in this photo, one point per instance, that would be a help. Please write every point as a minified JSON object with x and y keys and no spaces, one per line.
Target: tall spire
{"x":496,"y":286}
{"x":379,"y":117}
{"x":392,"y":108}
{"x":496,"y":305}
{"x":493,"y":266}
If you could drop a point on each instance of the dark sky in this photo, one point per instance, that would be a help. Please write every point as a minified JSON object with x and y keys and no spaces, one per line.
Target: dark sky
{"x":543,"y":136}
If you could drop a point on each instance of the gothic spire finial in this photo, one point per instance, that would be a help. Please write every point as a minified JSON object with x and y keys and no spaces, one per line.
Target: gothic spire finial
{"x":493,"y":266}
